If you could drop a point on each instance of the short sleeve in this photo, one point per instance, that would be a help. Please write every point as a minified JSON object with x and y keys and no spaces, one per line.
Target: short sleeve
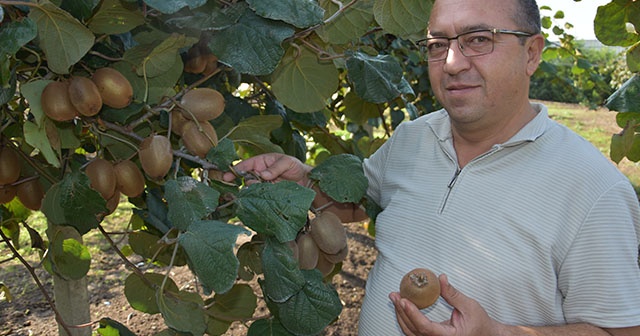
{"x":600,"y":278}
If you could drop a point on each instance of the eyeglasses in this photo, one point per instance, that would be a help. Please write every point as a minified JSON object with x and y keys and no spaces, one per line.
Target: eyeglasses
{"x":471,"y":44}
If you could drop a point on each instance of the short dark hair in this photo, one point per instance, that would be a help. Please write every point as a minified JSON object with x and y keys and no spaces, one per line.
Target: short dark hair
{"x":527,"y":16}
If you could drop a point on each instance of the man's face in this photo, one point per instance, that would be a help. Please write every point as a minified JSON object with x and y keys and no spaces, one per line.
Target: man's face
{"x":479,"y":88}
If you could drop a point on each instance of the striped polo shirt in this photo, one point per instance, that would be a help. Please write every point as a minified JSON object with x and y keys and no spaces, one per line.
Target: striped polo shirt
{"x":541,"y":230}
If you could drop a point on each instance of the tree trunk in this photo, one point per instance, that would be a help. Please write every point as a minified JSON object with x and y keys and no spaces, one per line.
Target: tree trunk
{"x":71,"y":296}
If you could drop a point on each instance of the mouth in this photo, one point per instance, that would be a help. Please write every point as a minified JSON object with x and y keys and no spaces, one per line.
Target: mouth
{"x":459,"y":87}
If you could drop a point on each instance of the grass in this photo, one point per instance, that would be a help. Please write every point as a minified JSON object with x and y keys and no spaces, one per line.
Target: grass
{"x":597,"y":126}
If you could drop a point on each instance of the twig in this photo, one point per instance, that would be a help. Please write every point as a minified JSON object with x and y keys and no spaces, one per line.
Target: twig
{"x":128,"y":263}
{"x":38,"y":283}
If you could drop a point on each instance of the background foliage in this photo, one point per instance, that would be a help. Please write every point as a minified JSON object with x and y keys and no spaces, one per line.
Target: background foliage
{"x":313,"y":79}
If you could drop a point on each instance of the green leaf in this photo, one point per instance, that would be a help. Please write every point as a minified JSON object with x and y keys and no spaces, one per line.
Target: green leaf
{"x":209,"y":246}
{"x":16,"y":34}
{"x":162,"y":58}
{"x":610,"y":25}
{"x":73,"y":202}
{"x":627,"y":97}
{"x":109,"y":327}
{"x":348,"y":26}
{"x":6,"y":294}
{"x":300,"y":13}
{"x":249,"y":255}
{"x":63,"y":39}
{"x":153,"y":89}
{"x":268,"y":327}
{"x":170,"y":7}
{"x":275,"y":209}
{"x":312,"y":308}
{"x":189,"y":201}
{"x":237,"y":304}
{"x":70,"y":258}
{"x":209,"y":16}
{"x":32,"y":92}
{"x":141,"y":294}
{"x":37,"y":137}
{"x":358,"y":110}
{"x":254,"y":132}
{"x":282,"y":277}
{"x":81,"y":10}
{"x":151,"y":247}
{"x":633,"y":58}
{"x":112,"y":18}
{"x":377,"y":79}
{"x":403,"y":17}
{"x":302,"y":82}
{"x":223,"y":155}
{"x":182,"y":311}
{"x":252,"y":45}
{"x":341,"y":177}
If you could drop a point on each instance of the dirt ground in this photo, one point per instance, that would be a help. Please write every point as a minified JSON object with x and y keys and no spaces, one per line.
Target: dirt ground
{"x":29,"y":313}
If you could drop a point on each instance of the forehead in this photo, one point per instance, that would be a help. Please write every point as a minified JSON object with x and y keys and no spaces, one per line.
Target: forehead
{"x":450,"y":17}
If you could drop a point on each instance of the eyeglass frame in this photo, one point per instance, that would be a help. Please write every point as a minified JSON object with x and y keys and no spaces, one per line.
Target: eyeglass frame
{"x":493,"y":31}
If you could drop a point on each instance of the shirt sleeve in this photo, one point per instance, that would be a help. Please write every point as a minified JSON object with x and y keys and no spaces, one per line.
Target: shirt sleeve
{"x":600,"y":278}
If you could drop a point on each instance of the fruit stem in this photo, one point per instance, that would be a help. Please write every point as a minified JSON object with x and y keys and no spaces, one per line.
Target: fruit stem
{"x":419,"y":279}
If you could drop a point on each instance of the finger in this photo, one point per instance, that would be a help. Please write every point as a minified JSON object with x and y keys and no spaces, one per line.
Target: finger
{"x":400,"y":315}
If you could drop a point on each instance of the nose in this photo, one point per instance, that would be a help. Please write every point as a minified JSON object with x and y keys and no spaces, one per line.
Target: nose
{"x":455,"y":61}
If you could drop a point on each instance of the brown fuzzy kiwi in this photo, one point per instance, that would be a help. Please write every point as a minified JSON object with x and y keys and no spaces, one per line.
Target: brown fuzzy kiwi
{"x":199,"y":137}
{"x":113,"y":202}
{"x":129,"y":178}
{"x":102,"y":176}
{"x":56,"y":103}
{"x":203,"y":104}
{"x":324,"y":265}
{"x":178,"y":121}
{"x":195,"y":61}
{"x":327,"y":231}
{"x":212,"y":64}
{"x":421,"y":286}
{"x":115,"y":89}
{"x":308,"y":252}
{"x":84,"y":96}
{"x":338,"y":257}
{"x":156,"y":156}
{"x":7,"y":193}
{"x":9,"y":165}
{"x":30,"y":194}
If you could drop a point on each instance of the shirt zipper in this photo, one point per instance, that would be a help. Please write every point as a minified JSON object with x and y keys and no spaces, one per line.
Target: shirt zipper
{"x":451,"y":183}
{"x":449,"y":187}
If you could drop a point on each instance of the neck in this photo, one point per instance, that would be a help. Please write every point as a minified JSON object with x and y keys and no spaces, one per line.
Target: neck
{"x":476,"y":138}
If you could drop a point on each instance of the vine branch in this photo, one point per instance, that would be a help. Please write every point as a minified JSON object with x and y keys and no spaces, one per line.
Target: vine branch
{"x":37,"y":281}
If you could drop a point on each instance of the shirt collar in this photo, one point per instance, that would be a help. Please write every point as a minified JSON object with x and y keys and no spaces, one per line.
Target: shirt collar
{"x":440,"y":124}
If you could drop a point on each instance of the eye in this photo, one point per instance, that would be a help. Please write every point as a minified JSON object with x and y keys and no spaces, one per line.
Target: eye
{"x":437,"y":44}
{"x":478,"y":39}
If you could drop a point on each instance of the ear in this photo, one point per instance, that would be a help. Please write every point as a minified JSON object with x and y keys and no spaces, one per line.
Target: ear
{"x":534,"y":47}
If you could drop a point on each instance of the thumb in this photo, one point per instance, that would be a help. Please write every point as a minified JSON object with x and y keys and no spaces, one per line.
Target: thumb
{"x":452,"y":295}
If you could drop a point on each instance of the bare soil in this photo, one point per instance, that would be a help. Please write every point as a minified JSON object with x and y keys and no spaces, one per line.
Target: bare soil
{"x":29,"y":313}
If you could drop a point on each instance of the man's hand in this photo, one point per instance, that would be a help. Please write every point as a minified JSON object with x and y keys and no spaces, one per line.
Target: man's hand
{"x":467,"y":319}
{"x":273,"y":167}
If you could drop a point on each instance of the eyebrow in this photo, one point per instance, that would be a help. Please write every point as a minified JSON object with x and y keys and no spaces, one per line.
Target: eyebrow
{"x":464,"y":29}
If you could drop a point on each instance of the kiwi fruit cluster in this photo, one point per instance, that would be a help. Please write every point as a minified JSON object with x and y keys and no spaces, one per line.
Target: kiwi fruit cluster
{"x":192,"y":120}
{"x":82,"y":96}
{"x":28,"y":190}
{"x":114,"y":179}
{"x":323,"y":245}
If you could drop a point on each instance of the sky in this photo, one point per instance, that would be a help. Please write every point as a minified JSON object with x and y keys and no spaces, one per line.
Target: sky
{"x":580,"y":14}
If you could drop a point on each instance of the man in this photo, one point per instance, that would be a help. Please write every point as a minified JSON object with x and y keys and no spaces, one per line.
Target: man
{"x":537,"y":231}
